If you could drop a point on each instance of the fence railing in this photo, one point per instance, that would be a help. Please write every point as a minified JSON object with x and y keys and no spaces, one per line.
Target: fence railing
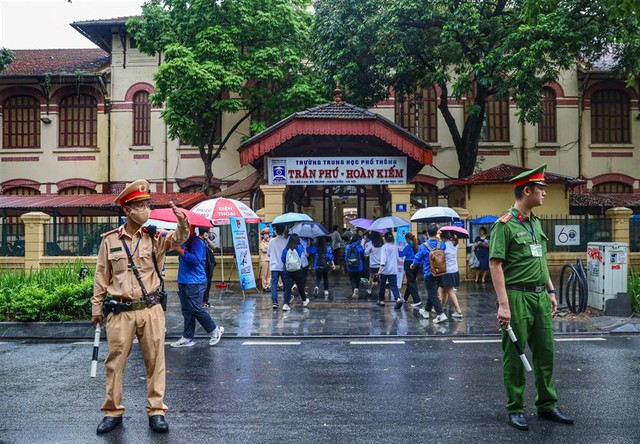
{"x":78,"y":237}
{"x":634,"y":233}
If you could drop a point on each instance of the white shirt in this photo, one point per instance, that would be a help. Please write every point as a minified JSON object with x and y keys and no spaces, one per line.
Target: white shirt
{"x":304,"y":260}
{"x":336,"y":240}
{"x":276,"y":245}
{"x":451,"y":257}
{"x":373,"y":253}
{"x":389,"y":258}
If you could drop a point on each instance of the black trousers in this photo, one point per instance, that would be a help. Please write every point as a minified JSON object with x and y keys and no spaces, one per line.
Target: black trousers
{"x":289,"y":278}
{"x":354,"y":278}
{"x":412,"y":283}
{"x":325,"y":278}
{"x":431,"y":282}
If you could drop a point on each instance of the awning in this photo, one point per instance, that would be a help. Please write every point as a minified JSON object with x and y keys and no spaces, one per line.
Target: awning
{"x":90,"y":204}
{"x":243,"y":188}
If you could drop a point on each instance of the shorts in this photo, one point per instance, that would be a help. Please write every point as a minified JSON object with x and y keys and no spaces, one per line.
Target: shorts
{"x":450,"y":280}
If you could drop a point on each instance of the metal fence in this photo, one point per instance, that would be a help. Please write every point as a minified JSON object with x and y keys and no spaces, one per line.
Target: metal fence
{"x":76,"y":236}
{"x":12,"y":238}
{"x":634,"y":233}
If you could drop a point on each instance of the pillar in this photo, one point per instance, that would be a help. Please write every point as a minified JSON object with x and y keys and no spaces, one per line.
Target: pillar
{"x":33,"y":239}
{"x":273,"y":200}
{"x":619,"y":223}
{"x":463,"y":267}
{"x":401,"y":202}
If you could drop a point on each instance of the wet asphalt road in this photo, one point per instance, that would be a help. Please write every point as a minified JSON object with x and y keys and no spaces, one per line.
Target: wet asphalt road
{"x":322,"y":391}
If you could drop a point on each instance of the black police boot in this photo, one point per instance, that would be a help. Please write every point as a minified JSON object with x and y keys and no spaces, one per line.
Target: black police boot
{"x":108,"y":423}
{"x":556,"y":415}
{"x":518,"y":421}
{"x":158,"y":424}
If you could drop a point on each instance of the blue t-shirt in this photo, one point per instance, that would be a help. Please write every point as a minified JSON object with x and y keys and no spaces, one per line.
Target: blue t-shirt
{"x":314,"y":250}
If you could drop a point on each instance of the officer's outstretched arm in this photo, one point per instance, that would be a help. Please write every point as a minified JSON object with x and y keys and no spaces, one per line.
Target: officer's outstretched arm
{"x":497,"y":277}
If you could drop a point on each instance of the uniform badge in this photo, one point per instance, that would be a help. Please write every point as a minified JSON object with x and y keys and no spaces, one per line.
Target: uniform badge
{"x":114,"y":249}
{"x":521,"y":234}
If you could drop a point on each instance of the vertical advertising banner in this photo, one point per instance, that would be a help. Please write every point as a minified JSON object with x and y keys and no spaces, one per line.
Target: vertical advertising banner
{"x":242,"y":252}
{"x":401,"y":242}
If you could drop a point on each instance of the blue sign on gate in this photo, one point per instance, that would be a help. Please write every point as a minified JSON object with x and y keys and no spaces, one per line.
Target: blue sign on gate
{"x":458,"y":223}
{"x":401,"y":208}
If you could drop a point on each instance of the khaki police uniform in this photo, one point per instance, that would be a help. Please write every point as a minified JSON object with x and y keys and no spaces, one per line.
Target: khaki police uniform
{"x":522,"y":246}
{"x":114,"y":276}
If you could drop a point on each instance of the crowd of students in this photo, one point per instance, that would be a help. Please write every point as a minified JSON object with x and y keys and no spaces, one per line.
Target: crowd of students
{"x":367,"y":258}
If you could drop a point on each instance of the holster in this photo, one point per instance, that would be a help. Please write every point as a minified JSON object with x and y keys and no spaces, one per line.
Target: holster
{"x":110,"y":306}
{"x":162,"y":298}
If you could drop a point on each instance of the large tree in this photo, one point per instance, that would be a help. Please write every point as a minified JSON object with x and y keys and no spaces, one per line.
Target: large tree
{"x":6,"y":58}
{"x":227,"y":56}
{"x":499,"y":48}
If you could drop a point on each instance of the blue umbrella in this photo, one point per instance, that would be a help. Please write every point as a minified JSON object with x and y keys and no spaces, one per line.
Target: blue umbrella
{"x":485,"y":220}
{"x":388,"y":222}
{"x":291,"y":218}
{"x":310,"y":229}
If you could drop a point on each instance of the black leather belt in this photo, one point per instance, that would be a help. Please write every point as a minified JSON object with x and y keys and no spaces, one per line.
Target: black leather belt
{"x":527,"y":288}
{"x":130,"y":304}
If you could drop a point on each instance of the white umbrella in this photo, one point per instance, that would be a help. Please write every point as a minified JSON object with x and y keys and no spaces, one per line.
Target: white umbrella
{"x":388,"y":222}
{"x":435,"y":214}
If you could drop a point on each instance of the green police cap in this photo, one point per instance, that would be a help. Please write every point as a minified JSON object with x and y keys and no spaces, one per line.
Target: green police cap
{"x":535,"y":176}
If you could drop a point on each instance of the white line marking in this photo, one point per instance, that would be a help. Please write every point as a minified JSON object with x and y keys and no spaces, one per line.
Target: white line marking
{"x":82,"y":343}
{"x":271,"y":343}
{"x":579,"y":339}
{"x":376,"y":342}
{"x":475,"y":341}
{"x":3,"y":343}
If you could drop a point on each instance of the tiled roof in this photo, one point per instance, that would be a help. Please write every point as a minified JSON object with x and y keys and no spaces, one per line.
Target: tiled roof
{"x":598,"y":203}
{"x":334,"y":110}
{"x":244,"y":187}
{"x":30,"y":62}
{"x":503,"y":173}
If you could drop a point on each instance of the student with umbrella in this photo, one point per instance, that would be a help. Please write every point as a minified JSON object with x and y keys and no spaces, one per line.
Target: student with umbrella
{"x":353,"y":257}
{"x":293,"y":272}
{"x":388,"y":271}
{"x":409,"y":253}
{"x":323,"y":262}
{"x":452,"y":278}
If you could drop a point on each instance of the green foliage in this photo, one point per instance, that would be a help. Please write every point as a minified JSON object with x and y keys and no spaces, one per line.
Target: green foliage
{"x":49,"y":294}
{"x":228,"y":56}
{"x":6,"y":58}
{"x":633,"y":287}
{"x":491,"y":47}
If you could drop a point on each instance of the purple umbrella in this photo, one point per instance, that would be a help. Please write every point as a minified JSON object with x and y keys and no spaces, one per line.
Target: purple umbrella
{"x":365,"y":223}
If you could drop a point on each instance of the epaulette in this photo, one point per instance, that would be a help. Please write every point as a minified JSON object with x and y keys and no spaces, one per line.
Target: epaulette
{"x":115,"y":230}
{"x":504,"y":219}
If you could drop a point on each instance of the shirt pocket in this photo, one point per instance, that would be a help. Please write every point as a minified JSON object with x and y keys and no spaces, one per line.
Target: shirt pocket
{"x":119,"y":262}
{"x":521,"y":244}
{"x":145,"y":258}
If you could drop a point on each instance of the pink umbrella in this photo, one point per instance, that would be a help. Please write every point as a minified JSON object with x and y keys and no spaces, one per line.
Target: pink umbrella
{"x":166,"y":215}
{"x":221,"y":209}
{"x":460,"y":232}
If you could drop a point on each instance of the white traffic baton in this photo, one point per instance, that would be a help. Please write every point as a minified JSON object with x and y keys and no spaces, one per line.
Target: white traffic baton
{"x":512,"y":335}
{"x":96,"y":346}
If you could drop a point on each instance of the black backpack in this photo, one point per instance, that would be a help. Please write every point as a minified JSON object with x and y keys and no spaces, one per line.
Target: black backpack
{"x":323,"y":262}
{"x":353,"y":258}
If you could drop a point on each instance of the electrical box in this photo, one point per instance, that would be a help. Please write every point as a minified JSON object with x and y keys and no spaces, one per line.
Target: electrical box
{"x":606,"y":271}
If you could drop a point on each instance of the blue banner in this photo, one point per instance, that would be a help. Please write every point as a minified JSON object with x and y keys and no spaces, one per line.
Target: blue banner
{"x":243,"y":254}
{"x":401,"y":242}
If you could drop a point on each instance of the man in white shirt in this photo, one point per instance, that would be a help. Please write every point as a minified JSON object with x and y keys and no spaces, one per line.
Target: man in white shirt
{"x":276,"y":246}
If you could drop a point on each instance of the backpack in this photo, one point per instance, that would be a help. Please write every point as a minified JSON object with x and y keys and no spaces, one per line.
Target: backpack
{"x":353,"y":258}
{"x":211,"y":261}
{"x":323,"y":262}
{"x":437,"y":260}
{"x":292,"y":260}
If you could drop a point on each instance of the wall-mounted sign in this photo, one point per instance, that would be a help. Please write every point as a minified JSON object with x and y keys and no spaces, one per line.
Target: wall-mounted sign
{"x":337,"y":170}
{"x":567,"y":234}
{"x":401,"y":208}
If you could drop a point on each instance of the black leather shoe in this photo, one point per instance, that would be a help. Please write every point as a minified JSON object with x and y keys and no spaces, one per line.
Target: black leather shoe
{"x":158,"y":424}
{"x":556,"y":415}
{"x":399,"y":303}
{"x":518,"y":421}
{"x":108,"y":423}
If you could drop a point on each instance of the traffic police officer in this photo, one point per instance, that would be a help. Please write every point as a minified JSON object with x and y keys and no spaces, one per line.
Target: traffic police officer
{"x":132,"y":316}
{"x":526,"y":298}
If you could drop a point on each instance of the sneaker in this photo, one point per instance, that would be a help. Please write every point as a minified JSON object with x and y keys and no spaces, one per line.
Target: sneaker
{"x":286,"y":307}
{"x":416,"y":304}
{"x":380,"y":303}
{"x":368,"y":292}
{"x":206,"y":305}
{"x":183,"y":342}
{"x":457,"y":315}
{"x":216,"y":335}
{"x":305,"y":302}
{"x":315,"y":291}
{"x":399,"y":302}
{"x":326,"y":293}
{"x":355,"y":293}
{"x":274,"y":305}
{"x":440,"y":318}
{"x":424,"y":313}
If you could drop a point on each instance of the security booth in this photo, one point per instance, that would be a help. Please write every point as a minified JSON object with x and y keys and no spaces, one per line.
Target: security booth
{"x":336,"y":162}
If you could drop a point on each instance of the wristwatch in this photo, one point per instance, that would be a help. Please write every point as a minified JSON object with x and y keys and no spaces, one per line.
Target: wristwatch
{"x":552,"y":291}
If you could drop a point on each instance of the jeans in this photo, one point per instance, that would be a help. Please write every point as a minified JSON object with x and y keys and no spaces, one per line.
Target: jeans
{"x":393,"y":286}
{"x":431,"y":283}
{"x":191,"y":306}
{"x":289,"y":278}
{"x":412,"y":284}
{"x":275,"y":277}
{"x":325,"y":277}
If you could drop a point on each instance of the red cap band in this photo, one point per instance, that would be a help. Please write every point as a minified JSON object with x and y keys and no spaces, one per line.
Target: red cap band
{"x":538,"y":177}
{"x":134,"y":195}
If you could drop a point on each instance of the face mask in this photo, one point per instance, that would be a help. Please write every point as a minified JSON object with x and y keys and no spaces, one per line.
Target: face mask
{"x":139,"y":216}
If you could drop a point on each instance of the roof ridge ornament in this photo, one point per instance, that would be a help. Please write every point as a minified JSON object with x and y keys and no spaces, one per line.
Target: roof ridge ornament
{"x":336,"y":94}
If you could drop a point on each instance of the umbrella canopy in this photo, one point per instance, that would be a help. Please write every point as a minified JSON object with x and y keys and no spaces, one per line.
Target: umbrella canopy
{"x":435,"y":214}
{"x":167,"y":215}
{"x":291,"y":218}
{"x":485,"y":220}
{"x":221,"y":209}
{"x":361,"y":222}
{"x":310,"y":229}
{"x":388,"y":222}
{"x":460,"y":232}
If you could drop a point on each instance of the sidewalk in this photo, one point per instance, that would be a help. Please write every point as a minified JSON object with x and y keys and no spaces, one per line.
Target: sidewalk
{"x":339,"y":316}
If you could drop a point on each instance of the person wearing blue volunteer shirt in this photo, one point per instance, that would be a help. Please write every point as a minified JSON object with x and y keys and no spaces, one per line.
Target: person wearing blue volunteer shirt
{"x":354,"y":264}
{"x":293,"y":271}
{"x":322,"y":263}
{"x":430,"y":281}
{"x":409,"y":253}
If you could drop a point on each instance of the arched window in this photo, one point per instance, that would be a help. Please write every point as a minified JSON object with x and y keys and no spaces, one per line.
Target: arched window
{"x":612,"y":187}
{"x":141,"y":119}
{"x":21,"y":123}
{"x":78,"y":121}
{"x":418,"y":114}
{"x":76,"y":190}
{"x":495,"y":127}
{"x":425,"y":194}
{"x":610,"y":117}
{"x":547,"y":128}
{"x":198,"y":189}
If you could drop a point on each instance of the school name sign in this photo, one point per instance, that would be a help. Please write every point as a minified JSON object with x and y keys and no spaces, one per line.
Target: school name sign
{"x":337,"y":170}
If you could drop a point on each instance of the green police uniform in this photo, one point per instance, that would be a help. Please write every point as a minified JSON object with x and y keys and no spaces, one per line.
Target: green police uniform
{"x":522,"y":246}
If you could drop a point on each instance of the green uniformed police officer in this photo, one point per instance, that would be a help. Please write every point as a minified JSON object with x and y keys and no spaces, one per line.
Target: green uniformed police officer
{"x":526,"y":299}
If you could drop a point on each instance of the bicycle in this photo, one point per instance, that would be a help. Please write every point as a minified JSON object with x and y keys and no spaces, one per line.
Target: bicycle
{"x":575,"y":287}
